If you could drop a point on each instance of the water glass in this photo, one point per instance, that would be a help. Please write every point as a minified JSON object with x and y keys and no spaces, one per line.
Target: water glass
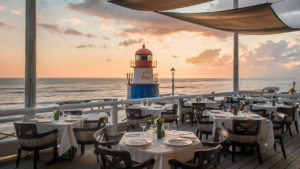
{"x":174,"y":129}
{"x":143,"y":125}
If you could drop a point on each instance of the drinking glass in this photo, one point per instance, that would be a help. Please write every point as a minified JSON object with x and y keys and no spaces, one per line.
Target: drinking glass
{"x":174,"y":128}
{"x":143,"y":125}
{"x":166,"y":129}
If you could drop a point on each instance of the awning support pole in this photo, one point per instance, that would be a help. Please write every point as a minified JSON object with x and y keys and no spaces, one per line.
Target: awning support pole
{"x":30,"y":57}
{"x":236,"y":55}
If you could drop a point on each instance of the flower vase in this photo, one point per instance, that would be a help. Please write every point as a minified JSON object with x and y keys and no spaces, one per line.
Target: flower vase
{"x":56,"y":115}
{"x":274,"y":103}
{"x":159,"y":133}
{"x":234,"y":110}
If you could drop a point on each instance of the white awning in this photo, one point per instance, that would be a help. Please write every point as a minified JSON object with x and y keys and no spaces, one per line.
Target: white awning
{"x":156,"y":5}
{"x":253,"y":20}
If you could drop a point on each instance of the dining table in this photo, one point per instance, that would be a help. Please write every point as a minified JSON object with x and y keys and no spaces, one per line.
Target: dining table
{"x":161,"y":154}
{"x":154,"y":110}
{"x":266,"y":130}
{"x":269,"y":109}
{"x":208,"y":103}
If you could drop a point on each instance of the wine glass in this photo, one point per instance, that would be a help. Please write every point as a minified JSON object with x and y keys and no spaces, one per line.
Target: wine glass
{"x":174,"y":128}
{"x":143,"y":125}
{"x":166,"y":129}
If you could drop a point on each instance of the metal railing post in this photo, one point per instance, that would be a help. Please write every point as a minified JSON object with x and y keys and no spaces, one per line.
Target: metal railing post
{"x":114,"y":119}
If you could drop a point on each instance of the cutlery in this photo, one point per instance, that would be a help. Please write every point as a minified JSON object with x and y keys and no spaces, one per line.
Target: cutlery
{"x":150,"y":146}
{"x":168,"y":147}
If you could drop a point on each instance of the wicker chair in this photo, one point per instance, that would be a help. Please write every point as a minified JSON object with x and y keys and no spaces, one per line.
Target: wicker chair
{"x":221,"y":137}
{"x":134,"y":116}
{"x":278,"y":120}
{"x":204,"y":125}
{"x":29,"y":140}
{"x":185,"y":110}
{"x":244,"y":133}
{"x":198,"y":108}
{"x":171,"y":117}
{"x":205,"y":158}
{"x":119,"y":159}
{"x":290,"y":112}
{"x":261,"y":112}
{"x":85,"y":135}
{"x":101,"y":138}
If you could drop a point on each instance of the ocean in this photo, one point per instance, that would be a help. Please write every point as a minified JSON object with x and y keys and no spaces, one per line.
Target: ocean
{"x":53,"y":90}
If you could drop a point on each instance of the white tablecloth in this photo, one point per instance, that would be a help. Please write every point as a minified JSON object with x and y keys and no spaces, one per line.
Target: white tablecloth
{"x":266,"y":130}
{"x":270,"y":109}
{"x":251,"y":99}
{"x":152,"y":111}
{"x":66,"y":137}
{"x":160,"y":154}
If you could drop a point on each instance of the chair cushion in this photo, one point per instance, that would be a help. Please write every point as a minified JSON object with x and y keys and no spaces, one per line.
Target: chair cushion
{"x":84,"y":135}
{"x":242,"y":138}
{"x":205,"y":127}
{"x":37,"y":142}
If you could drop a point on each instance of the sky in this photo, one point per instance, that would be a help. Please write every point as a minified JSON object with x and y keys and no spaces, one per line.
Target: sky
{"x":97,"y":39}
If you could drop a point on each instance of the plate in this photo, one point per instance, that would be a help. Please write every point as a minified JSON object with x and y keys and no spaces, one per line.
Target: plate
{"x":70,"y":120}
{"x":187,"y":137}
{"x":76,"y":116}
{"x":137,"y":142}
{"x":237,"y":117}
{"x":185,"y":133}
{"x":215,"y":111}
{"x":178,"y":142}
{"x":219,"y":116}
{"x":255,"y":115}
{"x":44,"y":121}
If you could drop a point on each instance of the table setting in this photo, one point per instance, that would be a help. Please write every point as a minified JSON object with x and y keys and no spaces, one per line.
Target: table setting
{"x":161,"y":142}
{"x":149,"y":107}
{"x":218,"y":116}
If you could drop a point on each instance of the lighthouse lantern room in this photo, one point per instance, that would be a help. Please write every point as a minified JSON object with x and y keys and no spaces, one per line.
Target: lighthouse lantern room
{"x":143,"y":83}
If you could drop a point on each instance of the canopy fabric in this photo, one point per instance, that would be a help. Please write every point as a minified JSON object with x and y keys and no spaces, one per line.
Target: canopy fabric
{"x":253,"y":20}
{"x":156,"y":5}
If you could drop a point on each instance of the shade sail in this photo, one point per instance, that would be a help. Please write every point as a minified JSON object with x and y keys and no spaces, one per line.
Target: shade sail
{"x":253,"y":20}
{"x":156,"y":5}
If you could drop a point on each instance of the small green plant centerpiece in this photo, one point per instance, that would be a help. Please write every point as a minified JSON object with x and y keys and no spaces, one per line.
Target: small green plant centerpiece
{"x":274,"y":101}
{"x":236,"y":109}
{"x":197,"y":99}
{"x":158,"y":122}
{"x":56,"y":113}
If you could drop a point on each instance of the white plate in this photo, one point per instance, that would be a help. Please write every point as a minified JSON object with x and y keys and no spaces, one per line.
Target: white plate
{"x":137,"y":142}
{"x":44,"y":121}
{"x":255,"y":116}
{"x":219,"y":116}
{"x":187,"y":137}
{"x":70,"y":120}
{"x":178,"y":142}
{"x":237,"y":117}
{"x":215,"y":111}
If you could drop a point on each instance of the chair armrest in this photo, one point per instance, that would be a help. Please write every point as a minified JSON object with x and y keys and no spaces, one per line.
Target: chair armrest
{"x":47,"y":133}
{"x":109,"y":143}
{"x":181,"y":164}
{"x":210,"y":144}
{"x":149,"y":162}
{"x":227,"y":128}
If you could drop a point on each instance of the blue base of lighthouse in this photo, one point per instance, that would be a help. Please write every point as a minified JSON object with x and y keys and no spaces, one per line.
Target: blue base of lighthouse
{"x":143,"y":91}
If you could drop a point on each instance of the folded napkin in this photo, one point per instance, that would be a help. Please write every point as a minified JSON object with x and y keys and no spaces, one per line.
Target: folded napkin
{"x":76,"y":116}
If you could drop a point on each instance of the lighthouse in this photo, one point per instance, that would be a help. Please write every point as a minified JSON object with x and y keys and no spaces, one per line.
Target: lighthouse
{"x":142,"y":83}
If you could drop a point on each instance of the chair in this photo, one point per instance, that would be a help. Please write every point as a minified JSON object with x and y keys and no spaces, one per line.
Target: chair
{"x":222,"y":105}
{"x":244,"y":133}
{"x":185,"y":110}
{"x":171,"y":117}
{"x":204,"y":125}
{"x":212,"y":98}
{"x":255,"y":102}
{"x":101,"y":138}
{"x":278,"y":120}
{"x":261,"y":112}
{"x":296,"y":104}
{"x":134,"y":116}
{"x":119,"y":159}
{"x":197,"y":108}
{"x":221,"y":137}
{"x":75,"y":112}
{"x":85,"y":135}
{"x":205,"y":158}
{"x":290,"y":112}
{"x":29,"y":140}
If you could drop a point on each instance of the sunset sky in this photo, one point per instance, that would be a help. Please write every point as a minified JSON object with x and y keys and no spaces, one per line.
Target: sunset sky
{"x":94,"y":38}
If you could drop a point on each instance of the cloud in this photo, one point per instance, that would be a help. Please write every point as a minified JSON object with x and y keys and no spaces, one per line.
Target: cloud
{"x":43,"y":3}
{"x":86,"y":46}
{"x":129,"y":42}
{"x":17,"y":12}
{"x":105,"y":25}
{"x":175,"y":56}
{"x":5,"y":26}
{"x":2,"y":8}
{"x":108,"y":60}
{"x":104,"y":46}
{"x":55,"y":29}
{"x":205,"y":57}
{"x":40,"y":15}
{"x":74,"y":21}
{"x":139,"y":23}
{"x":105,"y":38}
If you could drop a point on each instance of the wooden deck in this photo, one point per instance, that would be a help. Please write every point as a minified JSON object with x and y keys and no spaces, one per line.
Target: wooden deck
{"x":271,"y":158}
